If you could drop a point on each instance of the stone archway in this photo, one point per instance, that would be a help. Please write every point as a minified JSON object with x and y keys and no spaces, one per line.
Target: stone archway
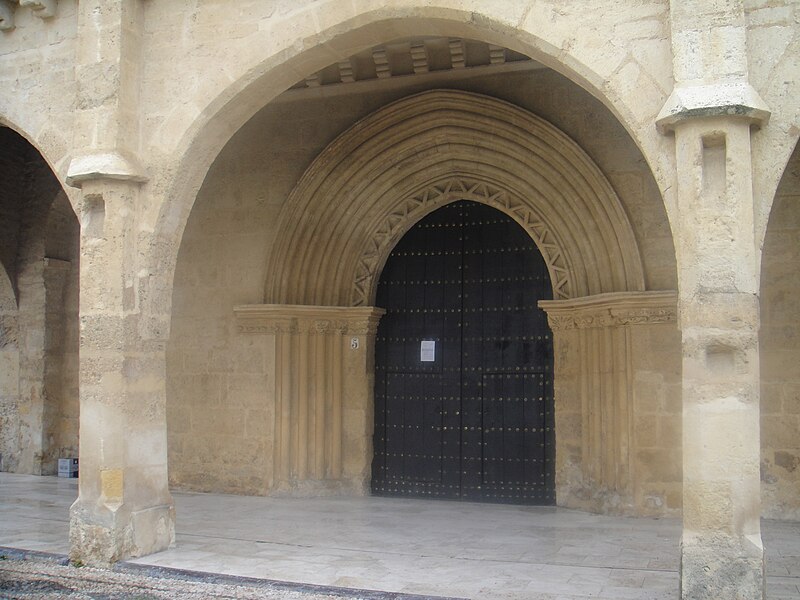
{"x":223,"y":106}
{"x":362,"y":193}
{"x":386,"y":172}
{"x":38,"y":313}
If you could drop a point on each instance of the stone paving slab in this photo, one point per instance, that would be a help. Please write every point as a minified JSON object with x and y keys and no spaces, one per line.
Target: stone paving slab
{"x":399,"y":546}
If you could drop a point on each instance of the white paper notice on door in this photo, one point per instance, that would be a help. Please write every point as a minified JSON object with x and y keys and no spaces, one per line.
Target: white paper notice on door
{"x":427,"y":351}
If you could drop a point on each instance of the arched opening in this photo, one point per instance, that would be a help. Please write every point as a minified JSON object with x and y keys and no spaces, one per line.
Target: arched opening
{"x":407,"y":158}
{"x":39,"y":321}
{"x":309,"y":198}
{"x":780,"y":351}
{"x":355,"y":29}
{"x":464,"y":363}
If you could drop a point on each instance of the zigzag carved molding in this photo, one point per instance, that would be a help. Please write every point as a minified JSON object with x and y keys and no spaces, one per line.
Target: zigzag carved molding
{"x":378,"y":178}
{"x":429,"y":199}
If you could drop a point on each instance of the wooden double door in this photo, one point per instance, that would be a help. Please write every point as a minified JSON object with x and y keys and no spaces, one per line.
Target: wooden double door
{"x":464,"y":363}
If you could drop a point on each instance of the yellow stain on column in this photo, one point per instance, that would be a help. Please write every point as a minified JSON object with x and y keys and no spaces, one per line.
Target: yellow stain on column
{"x":111,"y":484}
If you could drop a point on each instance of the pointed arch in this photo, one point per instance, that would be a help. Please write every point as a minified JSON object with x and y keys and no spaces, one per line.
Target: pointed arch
{"x":372,"y":183}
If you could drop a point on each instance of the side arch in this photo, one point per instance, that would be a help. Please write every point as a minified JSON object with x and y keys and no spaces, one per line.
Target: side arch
{"x":39,"y":337}
{"x":50,"y":148}
{"x":378,"y":178}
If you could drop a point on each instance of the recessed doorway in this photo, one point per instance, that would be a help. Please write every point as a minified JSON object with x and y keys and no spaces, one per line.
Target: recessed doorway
{"x":464,"y":363}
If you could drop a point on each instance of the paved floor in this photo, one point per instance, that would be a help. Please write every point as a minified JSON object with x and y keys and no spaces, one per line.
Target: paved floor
{"x":412,"y":546}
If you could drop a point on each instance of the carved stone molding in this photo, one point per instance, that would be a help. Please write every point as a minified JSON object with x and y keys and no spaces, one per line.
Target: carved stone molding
{"x":598,"y":359}
{"x":420,"y":57}
{"x":313,"y":320}
{"x":450,"y":190}
{"x":373,"y":182}
{"x":730,"y":100}
{"x":319,"y":397}
{"x":612,"y":310}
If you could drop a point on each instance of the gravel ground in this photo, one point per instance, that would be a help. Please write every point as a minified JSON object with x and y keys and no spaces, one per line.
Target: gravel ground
{"x":26,"y":575}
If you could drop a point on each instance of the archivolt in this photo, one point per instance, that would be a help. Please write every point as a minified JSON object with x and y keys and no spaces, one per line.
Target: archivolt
{"x":377,"y":179}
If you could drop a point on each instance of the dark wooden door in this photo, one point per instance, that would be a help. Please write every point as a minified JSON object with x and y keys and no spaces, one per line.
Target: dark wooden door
{"x":463,"y":382}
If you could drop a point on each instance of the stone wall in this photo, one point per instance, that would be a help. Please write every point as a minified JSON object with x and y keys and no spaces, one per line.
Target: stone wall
{"x":9,"y":378}
{"x":220,"y":408}
{"x":656,"y":384}
{"x":62,"y":335}
{"x":780,"y":352}
{"x":11,"y":168}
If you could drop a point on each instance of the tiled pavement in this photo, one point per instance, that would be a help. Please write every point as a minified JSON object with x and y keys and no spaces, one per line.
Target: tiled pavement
{"x":413,"y":546}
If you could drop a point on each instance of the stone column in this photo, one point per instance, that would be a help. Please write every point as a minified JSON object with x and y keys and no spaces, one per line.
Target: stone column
{"x":39,"y":367}
{"x":124,"y":507}
{"x":33,"y":300}
{"x":711,"y":112}
{"x":9,"y":374}
{"x":56,"y":274}
{"x":323,"y":392}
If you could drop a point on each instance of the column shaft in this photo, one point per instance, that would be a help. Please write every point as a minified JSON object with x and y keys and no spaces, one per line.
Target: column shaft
{"x":711,"y":110}
{"x":124,"y":508}
{"x":722,"y":554}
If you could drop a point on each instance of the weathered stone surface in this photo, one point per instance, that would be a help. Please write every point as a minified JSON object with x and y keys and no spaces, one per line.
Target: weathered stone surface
{"x":190,"y":127}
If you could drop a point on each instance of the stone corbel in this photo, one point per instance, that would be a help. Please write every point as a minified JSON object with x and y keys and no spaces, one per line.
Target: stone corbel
{"x":734,"y":99}
{"x":44,"y":9}
{"x":104,"y":165}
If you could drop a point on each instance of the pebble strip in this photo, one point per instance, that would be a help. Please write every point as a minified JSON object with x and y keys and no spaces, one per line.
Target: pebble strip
{"x":27,"y":574}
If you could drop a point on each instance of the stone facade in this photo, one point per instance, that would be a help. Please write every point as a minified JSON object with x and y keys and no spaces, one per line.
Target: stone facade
{"x":221,"y":182}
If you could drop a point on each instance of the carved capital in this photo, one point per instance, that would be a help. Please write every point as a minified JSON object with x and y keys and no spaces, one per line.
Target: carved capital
{"x":368,"y":326}
{"x":612,"y":310}
{"x":322,"y":326}
{"x":308,"y":320}
{"x":268,"y":328}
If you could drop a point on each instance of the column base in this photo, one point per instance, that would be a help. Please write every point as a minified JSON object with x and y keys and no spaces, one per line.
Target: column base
{"x":716,"y":568}
{"x":100,"y":535}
